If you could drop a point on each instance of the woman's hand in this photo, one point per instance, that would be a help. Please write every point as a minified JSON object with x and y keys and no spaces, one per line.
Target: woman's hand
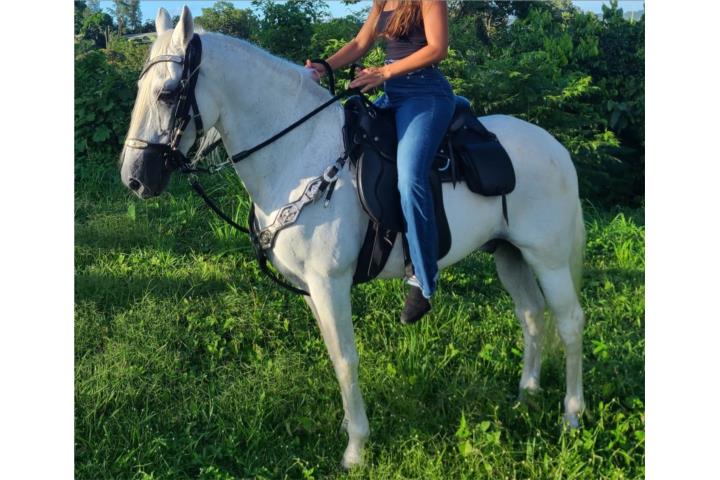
{"x":369,"y":78}
{"x":317,"y":70}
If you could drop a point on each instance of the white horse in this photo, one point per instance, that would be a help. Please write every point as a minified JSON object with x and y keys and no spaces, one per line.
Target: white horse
{"x":248,"y":95}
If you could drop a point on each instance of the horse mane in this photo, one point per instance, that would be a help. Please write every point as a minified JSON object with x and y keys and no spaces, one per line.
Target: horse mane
{"x":277,"y":64}
{"x":298,"y":76}
{"x":159,"y":47}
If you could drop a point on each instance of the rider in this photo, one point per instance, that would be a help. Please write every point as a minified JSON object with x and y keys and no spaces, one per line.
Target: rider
{"x":416,"y":36}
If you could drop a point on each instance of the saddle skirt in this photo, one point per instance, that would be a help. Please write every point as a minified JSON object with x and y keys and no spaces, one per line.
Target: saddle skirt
{"x":468,"y":152}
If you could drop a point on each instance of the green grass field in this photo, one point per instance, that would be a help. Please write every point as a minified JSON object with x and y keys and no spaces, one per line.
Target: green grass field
{"x":190,"y":364}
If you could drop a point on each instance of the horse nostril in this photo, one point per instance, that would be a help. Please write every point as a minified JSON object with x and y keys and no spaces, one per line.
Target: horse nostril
{"x":134,"y":184}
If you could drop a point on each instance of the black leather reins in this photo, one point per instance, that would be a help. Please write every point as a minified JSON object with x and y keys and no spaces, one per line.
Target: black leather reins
{"x":250,"y":231}
{"x":173,"y":158}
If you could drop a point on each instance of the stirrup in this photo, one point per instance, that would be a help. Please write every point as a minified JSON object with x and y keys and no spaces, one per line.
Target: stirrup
{"x":412,"y":281}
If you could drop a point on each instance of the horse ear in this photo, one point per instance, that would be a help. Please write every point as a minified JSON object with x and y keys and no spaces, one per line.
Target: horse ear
{"x":163,"y":23}
{"x":184,"y":29}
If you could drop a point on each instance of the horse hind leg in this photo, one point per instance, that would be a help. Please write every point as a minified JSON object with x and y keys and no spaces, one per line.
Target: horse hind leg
{"x":560,"y":293}
{"x":517,"y":278}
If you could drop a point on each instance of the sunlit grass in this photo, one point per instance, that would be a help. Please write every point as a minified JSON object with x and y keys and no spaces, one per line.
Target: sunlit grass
{"x":191,"y":364}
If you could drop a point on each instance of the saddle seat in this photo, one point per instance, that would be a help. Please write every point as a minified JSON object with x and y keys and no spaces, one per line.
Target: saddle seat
{"x":468,"y":153}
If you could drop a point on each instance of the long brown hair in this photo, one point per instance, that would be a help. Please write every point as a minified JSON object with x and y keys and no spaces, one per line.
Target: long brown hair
{"x":408,"y":14}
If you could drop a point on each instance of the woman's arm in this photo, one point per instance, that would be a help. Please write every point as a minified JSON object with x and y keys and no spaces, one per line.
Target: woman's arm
{"x":436,"y":32}
{"x":355,"y":48}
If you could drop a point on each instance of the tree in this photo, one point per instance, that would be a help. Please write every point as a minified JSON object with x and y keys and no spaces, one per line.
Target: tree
{"x":95,"y":27}
{"x":80,"y":9}
{"x":223,"y":17}
{"x":93,"y":5}
{"x":490,"y":19}
{"x":148,"y":27}
{"x":128,"y":16}
{"x":286,"y":29}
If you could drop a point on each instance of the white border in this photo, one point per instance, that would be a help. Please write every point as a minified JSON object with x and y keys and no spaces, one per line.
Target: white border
{"x":36,"y":341}
{"x":682,"y":180}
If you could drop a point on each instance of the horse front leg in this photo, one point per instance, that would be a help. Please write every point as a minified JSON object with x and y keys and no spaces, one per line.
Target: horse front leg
{"x":330,"y":303}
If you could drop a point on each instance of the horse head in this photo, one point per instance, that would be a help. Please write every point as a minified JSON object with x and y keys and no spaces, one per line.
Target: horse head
{"x":170,"y":102}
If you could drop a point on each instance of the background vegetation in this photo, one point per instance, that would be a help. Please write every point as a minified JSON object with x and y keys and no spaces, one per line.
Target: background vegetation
{"x":189,"y":364}
{"x":576,"y":74}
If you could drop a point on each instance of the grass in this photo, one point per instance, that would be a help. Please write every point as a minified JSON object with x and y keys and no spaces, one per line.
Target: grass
{"x":191,"y":364}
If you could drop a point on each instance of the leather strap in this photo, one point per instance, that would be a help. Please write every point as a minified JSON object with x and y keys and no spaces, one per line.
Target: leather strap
{"x":328,"y":71}
{"x":353,"y":67}
{"x":246,"y":153}
{"x":160,"y":59}
{"x":262,"y":258}
{"x":213,"y":206}
{"x":252,"y":233}
{"x":505,"y":210}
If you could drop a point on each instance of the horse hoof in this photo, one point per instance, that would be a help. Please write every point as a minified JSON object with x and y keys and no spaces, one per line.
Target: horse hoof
{"x":529,"y":392}
{"x":351,"y":459}
{"x":571,"y":421}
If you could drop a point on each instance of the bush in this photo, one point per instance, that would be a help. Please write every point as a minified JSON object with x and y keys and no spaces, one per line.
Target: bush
{"x":105,"y":88}
{"x":577,"y":75}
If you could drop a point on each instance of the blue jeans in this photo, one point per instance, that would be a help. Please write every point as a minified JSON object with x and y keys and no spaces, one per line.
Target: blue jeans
{"x":423,"y":102}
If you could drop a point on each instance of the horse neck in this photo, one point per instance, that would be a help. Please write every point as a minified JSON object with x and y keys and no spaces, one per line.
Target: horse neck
{"x":259,"y":95}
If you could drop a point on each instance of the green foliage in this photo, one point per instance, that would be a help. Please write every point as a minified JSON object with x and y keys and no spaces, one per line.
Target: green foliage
{"x":577,"y":75}
{"x":331,"y":34}
{"x":555,"y":71}
{"x":223,"y":17}
{"x":80,"y":9}
{"x":286,"y":29}
{"x":95,"y":26}
{"x":105,"y":88}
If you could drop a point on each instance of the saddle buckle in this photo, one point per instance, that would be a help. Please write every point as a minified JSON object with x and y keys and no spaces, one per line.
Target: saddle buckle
{"x":219,"y":166}
{"x":447,"y":165}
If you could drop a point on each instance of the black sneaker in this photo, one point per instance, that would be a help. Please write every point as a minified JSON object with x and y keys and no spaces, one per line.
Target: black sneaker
{"x":415,"y":306}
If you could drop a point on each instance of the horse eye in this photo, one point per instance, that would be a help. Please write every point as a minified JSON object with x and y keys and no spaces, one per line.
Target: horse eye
{"x":166,"y":96}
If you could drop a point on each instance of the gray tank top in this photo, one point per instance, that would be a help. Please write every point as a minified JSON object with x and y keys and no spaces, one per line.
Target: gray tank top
{"x":395,"y":49}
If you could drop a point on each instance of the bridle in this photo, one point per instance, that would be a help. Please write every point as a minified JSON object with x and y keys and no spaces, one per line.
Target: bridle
{"x":186,"y":108}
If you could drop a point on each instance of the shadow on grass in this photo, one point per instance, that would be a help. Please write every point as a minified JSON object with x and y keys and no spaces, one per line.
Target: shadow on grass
{"x":124,"y":291}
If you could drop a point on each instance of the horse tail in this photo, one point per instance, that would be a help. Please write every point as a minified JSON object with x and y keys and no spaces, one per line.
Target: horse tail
{"x":577,"y":251}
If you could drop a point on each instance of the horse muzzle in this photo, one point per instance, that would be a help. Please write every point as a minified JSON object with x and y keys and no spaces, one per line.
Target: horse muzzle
{"x":145,"y":171}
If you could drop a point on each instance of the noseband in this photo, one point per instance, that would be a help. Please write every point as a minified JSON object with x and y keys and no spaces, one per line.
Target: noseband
{"x":186,"y":107}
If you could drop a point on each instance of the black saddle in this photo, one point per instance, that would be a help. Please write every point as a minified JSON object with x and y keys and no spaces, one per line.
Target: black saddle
{"x":468,"y":152}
